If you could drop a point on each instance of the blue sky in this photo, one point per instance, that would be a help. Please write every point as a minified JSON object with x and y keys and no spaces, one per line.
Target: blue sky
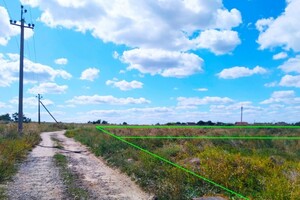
{"x":147,"y":62}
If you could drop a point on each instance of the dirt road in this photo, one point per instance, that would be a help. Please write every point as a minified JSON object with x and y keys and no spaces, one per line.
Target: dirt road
{"x":39,"y":178}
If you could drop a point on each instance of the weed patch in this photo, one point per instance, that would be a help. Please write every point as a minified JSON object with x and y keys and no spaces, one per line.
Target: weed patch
{"x":69,"y":178}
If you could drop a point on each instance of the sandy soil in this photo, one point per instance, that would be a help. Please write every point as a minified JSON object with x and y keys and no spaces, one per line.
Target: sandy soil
{"x":38,"y":177}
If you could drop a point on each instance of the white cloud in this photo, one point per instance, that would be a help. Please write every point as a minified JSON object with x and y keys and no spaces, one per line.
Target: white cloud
{"x":128,"y":22}
{"x":7,"y":30}
{"x":196,"y":101}
{"x":280,"y":55}
{"x":165,"y":63}
{"x":201,"y":89}
{"x":2,"y":105}
{"x":271,"y":84}
{"x":116,"y":55}
{"x":286,"y":97}
{"x":125,"y":85}
{"x":218,"y":42}
{"x":282,"y":31}
{"x":61,"y":61}
{"x":90,"y":74}
{"x":48,"y":88}
{"x":290,"y":81}
{"x":96,"y":99}
{"x":291,"y":65}
{"x":33,"y":72}
{"x":31,"y":101}
{"x":237,"y":72}
{"x":263,"y":24}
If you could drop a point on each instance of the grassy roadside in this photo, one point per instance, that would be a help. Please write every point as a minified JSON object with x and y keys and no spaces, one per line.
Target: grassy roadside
{"x":74,"y":192}
{"x":256,"y":169}
{"x":14,"y":148}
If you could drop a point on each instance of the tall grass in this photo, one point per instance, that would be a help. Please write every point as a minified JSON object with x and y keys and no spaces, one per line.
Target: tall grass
{"x":13,"y":147}
{"x":257,"y":169}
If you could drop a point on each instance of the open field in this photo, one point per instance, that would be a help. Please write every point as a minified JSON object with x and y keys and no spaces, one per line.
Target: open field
{"x":183,"y":166}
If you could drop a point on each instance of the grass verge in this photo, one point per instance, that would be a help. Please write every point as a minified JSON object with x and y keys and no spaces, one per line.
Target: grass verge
{"x":74,"y":192}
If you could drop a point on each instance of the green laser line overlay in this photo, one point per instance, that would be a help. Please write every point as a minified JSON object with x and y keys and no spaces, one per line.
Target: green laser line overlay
{"x":215,"y":137}
{"x":200,"y":127}
{"x":171,"y":163}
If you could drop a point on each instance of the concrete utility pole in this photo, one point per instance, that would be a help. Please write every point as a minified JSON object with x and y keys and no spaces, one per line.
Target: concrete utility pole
{"x":22,"y":26}
{"x":39,"y":107}
{"x":242,"y":114}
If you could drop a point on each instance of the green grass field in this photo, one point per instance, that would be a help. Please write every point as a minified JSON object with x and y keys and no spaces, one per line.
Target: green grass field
{"x":245,"y":169}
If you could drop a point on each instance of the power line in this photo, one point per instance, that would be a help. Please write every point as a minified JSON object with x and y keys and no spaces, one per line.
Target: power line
{"x":9,"y":15}
{"x":5,"y":5}
{"x":34,"y":49}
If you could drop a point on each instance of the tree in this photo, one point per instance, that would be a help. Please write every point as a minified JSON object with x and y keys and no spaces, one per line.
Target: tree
{"x":15,"y":117}
{"x":5,"y":117}
{"x":125,"y":123}
{"x":104,"y":122}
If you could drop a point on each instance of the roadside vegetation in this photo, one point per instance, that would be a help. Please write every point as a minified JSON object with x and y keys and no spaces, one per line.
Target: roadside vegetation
{"x":74,"y":191}
{"x":14,"y":148}
{"x":257,"y":169}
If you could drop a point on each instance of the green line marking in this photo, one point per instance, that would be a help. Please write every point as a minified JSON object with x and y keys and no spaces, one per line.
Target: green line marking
{"x":215,"y":137}
{"x":171,"y":163}
{"x":200,"y":127}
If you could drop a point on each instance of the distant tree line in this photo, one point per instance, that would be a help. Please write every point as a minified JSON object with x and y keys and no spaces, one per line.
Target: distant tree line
{"x":210,"y":123}
{"x":13,"y":118}
{"x":98,"y":122}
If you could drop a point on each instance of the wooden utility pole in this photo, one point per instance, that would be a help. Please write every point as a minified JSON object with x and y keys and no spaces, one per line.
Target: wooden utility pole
{"x":22,"y":26}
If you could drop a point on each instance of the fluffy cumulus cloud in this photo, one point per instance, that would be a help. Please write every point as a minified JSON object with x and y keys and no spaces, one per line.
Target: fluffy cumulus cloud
{"x":291,"y":65}
{"x":280,"y":55}
{"x":125,"y":85}
{"x":33,"y":72}
{"x":165,"y":63}
{"x":177,"y":25}
{"x":238,"y":72}
{"x":90,"y":74}
{"x":96,"y":99}
{"x":49,"y":88}
{"x":61,"y":61}
{"x":126,"y":22}
{"x":31,"y":101}
{"x":218,"y":42}
{"x":282,"y":31}
{"x":196,"y":101}
{"x":7,"y":30}
{"x":286,"y":97}
{"x":290,"y":81}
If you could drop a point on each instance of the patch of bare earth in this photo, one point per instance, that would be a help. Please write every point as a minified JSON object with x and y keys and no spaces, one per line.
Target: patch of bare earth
{"x":39,"y":178}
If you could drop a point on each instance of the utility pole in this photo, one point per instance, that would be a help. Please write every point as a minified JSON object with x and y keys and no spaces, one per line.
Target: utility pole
{"x":39,"y":107}
{"x":22,"y":26}
{"x":242,"y":114}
